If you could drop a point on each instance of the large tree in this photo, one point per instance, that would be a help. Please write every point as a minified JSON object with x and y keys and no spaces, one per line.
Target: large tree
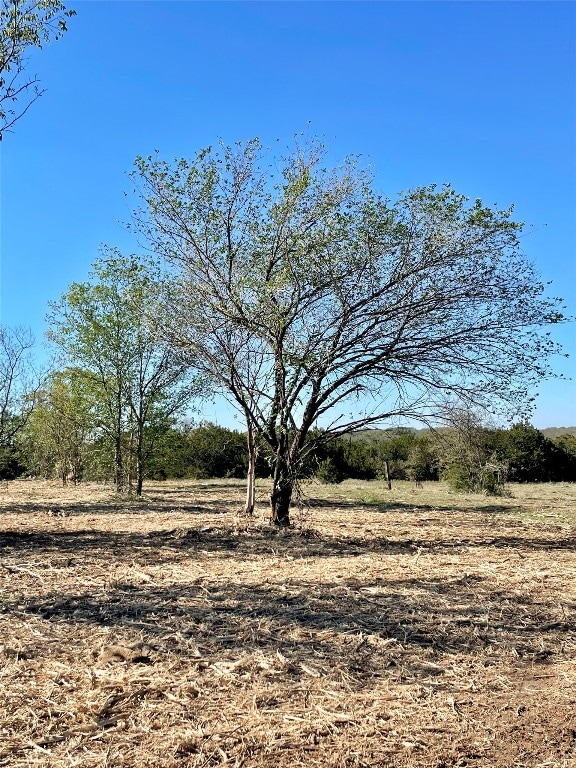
{"x":24,"y":25}
{"x":103,"y":326}
{"x":310,"y":299}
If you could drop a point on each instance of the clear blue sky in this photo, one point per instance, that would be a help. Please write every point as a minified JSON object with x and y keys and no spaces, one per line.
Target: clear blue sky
{"x":478,"y":94}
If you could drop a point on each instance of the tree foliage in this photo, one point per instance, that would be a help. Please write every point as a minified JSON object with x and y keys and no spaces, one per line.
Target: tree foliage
{"x":468,"y":455}
{"x":532,"y":457}
{"x":136,"y":381}
{"x":61,"y":429}
{"x":24,"y":25}
{"x":309,"y":298}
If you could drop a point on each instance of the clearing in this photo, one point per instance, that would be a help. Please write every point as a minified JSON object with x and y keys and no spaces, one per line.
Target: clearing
{"x":397,"y":628}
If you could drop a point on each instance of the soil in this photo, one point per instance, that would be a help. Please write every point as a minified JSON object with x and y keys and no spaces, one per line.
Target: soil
{"x":405,"y":629}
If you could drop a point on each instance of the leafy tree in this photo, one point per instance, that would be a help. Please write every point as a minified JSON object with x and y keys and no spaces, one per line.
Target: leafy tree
{"x":531,"y":456}
{"x":207,"y":450}
{"x":12,"y":462}
{"x":566,"y":457}
{"x":307,"y":296}
{"x":103,"y":327}
{"x":330,"y":472}
{"x":567,"y":444}
{"x":361,"y":458}
{"x":394,"y":448}
{"x":216,"y":452}
{"x":59,"y":432}
{"x":24,"y":25}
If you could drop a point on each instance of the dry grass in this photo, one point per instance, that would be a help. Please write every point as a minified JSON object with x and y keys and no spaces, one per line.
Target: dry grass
{"x":403,"y":628}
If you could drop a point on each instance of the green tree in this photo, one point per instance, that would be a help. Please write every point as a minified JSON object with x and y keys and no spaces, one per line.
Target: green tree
{"x":531,"y":456}
{"x":61,"y":428}
{"x":330,"y":470}
{"x":362,"y":460}
{"x":394,"y":448}
{"x":309,"y":299}
{"x":103,"y":327}
{"x":566,"y":457}
{"x":216,"y":451}
{"x":24,"y":25}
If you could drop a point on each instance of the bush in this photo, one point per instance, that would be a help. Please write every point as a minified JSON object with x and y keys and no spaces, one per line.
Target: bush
{"x":488,"y":478}
{"x":329,"y":473}
{"x":11,"y":464}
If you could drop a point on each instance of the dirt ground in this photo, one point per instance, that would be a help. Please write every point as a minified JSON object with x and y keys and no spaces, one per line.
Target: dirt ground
{"x":402,"y":628}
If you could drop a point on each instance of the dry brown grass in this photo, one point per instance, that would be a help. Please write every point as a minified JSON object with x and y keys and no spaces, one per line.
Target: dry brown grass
{"x":403,"y":628}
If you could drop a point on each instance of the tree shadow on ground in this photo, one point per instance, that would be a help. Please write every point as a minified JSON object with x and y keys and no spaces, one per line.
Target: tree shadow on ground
{"x":184,"y":501}
{"x":159,"y":492}
{"x":266,"y":540}
{"x":125,"y":507}
{"x":405,"y":629}
{"x":413,"y":507}
{"x":372,"y":626}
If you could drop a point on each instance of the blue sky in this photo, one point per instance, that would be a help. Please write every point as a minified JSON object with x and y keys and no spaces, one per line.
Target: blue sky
{"x":478,"y":94}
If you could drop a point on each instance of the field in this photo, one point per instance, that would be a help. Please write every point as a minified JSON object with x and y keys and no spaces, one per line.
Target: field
{"x":397,"y":628}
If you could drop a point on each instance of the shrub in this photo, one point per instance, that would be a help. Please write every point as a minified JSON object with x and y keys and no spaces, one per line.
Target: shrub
{"x":329,"y":473}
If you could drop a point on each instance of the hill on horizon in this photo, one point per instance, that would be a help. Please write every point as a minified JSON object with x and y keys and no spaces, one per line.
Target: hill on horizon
{"x":553,"y":432}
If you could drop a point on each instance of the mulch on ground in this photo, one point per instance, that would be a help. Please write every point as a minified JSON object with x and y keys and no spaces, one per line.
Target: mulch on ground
{"x":171,"y":632}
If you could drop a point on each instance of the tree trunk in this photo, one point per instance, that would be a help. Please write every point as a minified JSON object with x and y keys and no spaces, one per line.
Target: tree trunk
{"x":139,"y":474}
{"x":118,"y":457}
{"x":139,"y":457}
{"x":387,"y":475}
{"x":251,"y":480}
{"x":130,"y":471}
{"x":282,"y":487}
{"x":118,"y":465}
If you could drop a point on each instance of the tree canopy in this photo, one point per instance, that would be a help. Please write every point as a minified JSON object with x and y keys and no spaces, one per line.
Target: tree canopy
{"x":61,"y":427}
{"x":137,"y":381}
{"x":309,"y":298}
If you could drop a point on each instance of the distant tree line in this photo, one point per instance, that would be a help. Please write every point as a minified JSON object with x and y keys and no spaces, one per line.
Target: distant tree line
{"x":482,"y":460}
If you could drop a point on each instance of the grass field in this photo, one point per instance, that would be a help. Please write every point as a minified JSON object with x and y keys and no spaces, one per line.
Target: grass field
{"x":397,"y":628}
